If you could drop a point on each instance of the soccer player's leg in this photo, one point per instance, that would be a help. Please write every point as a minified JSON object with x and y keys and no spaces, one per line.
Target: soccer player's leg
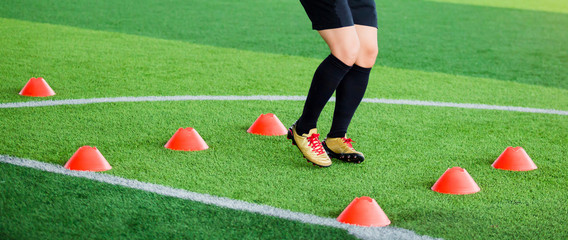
{"x":335,"y":25}
{"x":352,"y":87}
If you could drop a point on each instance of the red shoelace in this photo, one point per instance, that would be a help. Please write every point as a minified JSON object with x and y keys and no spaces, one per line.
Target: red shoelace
{"x":348,"y":141}
{"x":315,"y":143}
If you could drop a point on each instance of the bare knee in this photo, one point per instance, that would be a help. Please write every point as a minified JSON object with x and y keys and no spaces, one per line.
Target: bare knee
{"x":343,"y":42}
{"x":348,"y":54}
{"x":367,"y":56}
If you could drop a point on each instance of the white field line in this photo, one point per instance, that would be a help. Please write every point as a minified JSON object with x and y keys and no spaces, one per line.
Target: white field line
{"x":360,"y":232}
{"x":274,"y":98}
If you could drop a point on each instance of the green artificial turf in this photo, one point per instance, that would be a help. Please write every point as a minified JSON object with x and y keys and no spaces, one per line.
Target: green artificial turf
{"x":112,"y":65}
{"x":508,"y":44}
{"x":430,"y":51}
{"x":535,"y":5}
{"x":61,"y":207}
{"x":407,"y":149}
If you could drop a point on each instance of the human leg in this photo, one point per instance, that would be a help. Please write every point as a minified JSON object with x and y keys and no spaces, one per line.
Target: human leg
{"x":333,"y":20}
{"x":351,"y":89}
{"x":344,"y":46}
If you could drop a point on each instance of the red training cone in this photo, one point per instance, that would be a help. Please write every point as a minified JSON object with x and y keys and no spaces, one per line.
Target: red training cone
{"x":37,"y":87}
{"x":364,"y":211}
{"x":88,"y":158}
{"x":514,"y":159}
{"x":456,"y":180}
{"x":186,"y":139}
{"x":267,"y":124}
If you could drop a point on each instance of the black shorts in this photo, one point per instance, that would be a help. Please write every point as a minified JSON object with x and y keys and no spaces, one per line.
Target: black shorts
{"x":328,"y":14}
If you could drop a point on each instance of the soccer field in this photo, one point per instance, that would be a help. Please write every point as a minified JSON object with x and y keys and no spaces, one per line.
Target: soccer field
{"x":454,"y":85}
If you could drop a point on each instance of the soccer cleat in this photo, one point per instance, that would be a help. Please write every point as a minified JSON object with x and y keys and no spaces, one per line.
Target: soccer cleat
{"x":341,"y":148}
{"x":310,"y":146}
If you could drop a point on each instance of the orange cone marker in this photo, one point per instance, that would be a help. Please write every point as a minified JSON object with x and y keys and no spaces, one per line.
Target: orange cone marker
{"x":456,"y":180}
{"x":186,"y":139}
{"x":514,"y":159}
{"x":364,"y":211}
{"x":88,"y":158}
{"x":268,"y":125}
{"x":37,"y":87}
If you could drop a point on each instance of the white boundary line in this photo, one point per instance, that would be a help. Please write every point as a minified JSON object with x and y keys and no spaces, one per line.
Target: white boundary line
{"x":360,"y":232}
{"x":273,"y":98}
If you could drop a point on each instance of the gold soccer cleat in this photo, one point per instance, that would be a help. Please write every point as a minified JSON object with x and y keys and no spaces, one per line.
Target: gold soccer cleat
{"x":341,"y":148}
{"x":310,"y":146}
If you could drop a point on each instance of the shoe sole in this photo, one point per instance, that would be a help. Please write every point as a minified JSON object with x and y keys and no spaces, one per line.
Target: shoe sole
{"x":347,"y":157}
{"x":291,"y":137}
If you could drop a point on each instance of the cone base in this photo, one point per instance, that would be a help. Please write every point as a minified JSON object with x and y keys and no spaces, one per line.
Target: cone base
{"x":456,"y":192}
{"x":90,"y":170}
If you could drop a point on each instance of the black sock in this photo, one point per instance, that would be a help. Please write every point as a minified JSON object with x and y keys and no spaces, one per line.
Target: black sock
{"x":348,"y":95}
{"x":325,"y":81}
